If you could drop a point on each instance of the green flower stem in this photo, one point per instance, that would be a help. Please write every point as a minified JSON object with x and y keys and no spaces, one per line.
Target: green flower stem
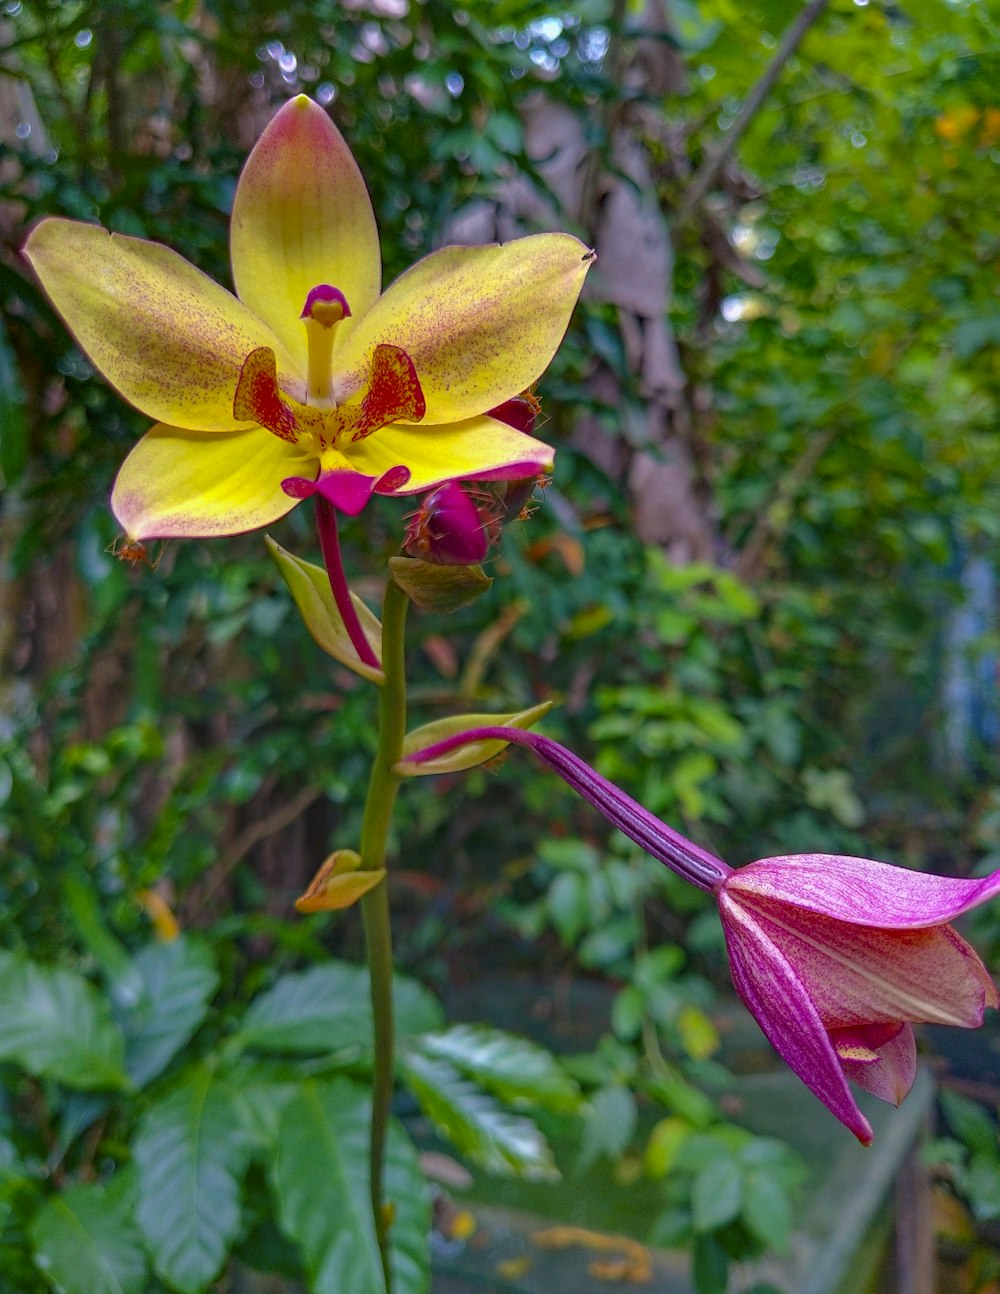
{"x":382,"y":788}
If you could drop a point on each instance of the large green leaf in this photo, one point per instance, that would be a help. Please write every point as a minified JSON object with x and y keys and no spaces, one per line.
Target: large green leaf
{"x":178,"y":980}
{"x":86,"y":1242}
{"x":501,"y":1142}
{"x":190,"y":1154}
{"x":328,"y":1008}
{"x":56,"y":1025}
{"x":323,"y":1009}
{"x":321,"y":1179}
{"x":514,"y":1068}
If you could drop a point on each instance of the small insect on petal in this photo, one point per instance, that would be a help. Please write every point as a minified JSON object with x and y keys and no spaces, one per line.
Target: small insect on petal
{"x":134,"y":552}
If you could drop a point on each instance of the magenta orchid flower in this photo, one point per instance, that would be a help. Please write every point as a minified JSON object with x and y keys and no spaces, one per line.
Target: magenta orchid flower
{"x":835,"y":957}
{"x":310,"y":380}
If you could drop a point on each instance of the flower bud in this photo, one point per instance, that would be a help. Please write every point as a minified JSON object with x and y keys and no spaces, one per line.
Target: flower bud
{"x":449,"y":529}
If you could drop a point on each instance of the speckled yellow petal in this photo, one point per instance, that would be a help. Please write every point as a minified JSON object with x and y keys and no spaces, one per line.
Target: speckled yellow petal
{"x":178,"y":484}
{"x":481,"y":448}
{"x":301,"y":217}
{"x":479,"y":323}
{"x":165,"y":335}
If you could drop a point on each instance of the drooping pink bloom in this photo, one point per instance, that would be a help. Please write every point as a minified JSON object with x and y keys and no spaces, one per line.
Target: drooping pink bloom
{"x":835,"y":957}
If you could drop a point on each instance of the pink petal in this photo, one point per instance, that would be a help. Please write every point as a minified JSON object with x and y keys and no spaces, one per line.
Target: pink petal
{"x":347,"y":490}
{"x":769,"y":986}
{"x":862,"y":891}
{"x":887,"y":1070}
{"x":863,"y":974}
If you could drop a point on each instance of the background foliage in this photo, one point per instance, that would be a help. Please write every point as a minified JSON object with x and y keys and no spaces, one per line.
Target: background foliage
{"x":770,"y":613}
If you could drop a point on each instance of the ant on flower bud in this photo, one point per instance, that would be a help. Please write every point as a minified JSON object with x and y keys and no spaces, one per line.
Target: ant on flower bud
{"x":453,"y":526}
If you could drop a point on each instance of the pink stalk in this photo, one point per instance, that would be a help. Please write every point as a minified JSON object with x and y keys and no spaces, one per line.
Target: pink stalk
{"x":661,"y":842}
{"x":326,"y":524}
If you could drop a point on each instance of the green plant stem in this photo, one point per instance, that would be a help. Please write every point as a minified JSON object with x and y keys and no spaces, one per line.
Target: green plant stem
{"x":382,"y":788}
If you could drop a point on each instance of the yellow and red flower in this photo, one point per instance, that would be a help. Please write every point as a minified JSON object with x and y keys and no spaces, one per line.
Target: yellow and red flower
{"x":310,"y":380}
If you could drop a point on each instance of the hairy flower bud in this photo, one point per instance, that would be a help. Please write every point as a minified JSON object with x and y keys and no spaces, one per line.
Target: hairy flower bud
{"x":450,"y":528}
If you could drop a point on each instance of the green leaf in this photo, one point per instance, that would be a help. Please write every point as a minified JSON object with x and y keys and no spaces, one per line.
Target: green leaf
{"x":610,"y":1123}
{"x":321,"y":1180}
{"x":716,"y":1194}
{"x":569,"y":905}
{"x":431,"y":587}
{"x":85,"y":1242}
{"x":417,"y":1009}
{"x":309,"y":585}
{"x":969,"y":1121}
{"x":476,"y":752}
{"x":500,"y":1142}
{"x":328,"y":1008}
{"x":513,"y":1068}
{"x":710,"y":1266}
{"x":320,"y":1010}
{"x":56,"y":1025}
{"x":178,"y":981}
{"x":767,"y":1210}
{"x":190,"y":1155}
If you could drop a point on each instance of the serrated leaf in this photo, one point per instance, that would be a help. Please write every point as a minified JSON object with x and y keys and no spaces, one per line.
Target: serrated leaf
{"x":309,"y":585}
{"x":323,"y":1139}
{"x":513,"y":1068}
{"x":476,"y":752}
{"x":178,"y":982}
{"x":190,"y":1154}
{"x":85,"y":1242}
{"x":56,"y":1025}
{"x":328,"y":1008}
{"x":716,"y":1194}
{"x":502,"y":1143}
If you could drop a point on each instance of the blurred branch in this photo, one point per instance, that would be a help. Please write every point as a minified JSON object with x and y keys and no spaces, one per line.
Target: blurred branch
{"x":765,"y":529}
{"x":277,"y":820}
{"x":707,"y":173}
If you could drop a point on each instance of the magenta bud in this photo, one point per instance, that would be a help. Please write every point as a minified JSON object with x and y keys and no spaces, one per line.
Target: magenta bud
{"x":521,"y":412}
{"x":448,"y":529}
{"x":326,"y":305}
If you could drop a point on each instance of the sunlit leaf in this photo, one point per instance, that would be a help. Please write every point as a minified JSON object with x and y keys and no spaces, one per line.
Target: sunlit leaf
{"x":501,"y":1142}
{"x":56,"y":1025}
{"x":85,"y":1242}
{"x":190,"y":1154}
{"x":321,"y":1181}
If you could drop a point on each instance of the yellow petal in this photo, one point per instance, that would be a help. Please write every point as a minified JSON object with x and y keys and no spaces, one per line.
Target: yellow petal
{"x":301,"y":217}
{"x":480,"y":323}
{"x":170,"y":339}
{"x":189,"y":484}
{"x":480,"y":448}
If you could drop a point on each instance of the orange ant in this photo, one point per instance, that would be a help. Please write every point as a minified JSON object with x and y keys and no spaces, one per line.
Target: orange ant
{"x":134,"y":552}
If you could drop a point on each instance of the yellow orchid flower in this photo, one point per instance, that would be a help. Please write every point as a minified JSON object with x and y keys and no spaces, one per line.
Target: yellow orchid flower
{"x":310,"y":380}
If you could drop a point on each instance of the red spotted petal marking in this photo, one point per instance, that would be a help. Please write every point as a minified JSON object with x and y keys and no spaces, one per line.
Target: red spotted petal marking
{"x":395,"y":392}
{"x":258,"y":398}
